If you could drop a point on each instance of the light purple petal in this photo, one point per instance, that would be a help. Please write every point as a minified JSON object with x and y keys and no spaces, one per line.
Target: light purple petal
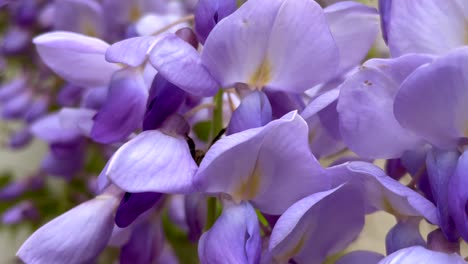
{"x":301,"y":50}
{"x":132,"y":52}
{"x":50,"y":129}
{"x":80,"y":119}
{"x":360,"y":257}
{"x":317,"y":226}
{"x":382,"y":192}
{"x":319,"y":103}
{"x":10,"y":89}
{"x":76,"y":58}
{"x":123,"y":111}
{"x":254,"y":111}
{"x":88,"y":229}
{"x":354,"y":42}
{"x":17,"y":107}
{"x":271,"y":166}
{"x":81,"y":16}
{"x":437,"y":91}
{"x":420,"y":255}
{"x":411,"y":27}
{"x":153,"y":162}
{"x":287,"y":41}
{"x":179,"y":63}
{"x":225,"y":54}
{"x":234,"y":238}
{"x":367,"y":123}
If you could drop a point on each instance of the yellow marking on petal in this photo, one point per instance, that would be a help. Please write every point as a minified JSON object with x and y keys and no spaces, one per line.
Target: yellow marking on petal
{"x":249,"y":187}
{"x":88,"y":29}
{"x":135,"y":13}
{"x":261,"y":76}
{"x":293,"y":252}
{"x":387,"y":207}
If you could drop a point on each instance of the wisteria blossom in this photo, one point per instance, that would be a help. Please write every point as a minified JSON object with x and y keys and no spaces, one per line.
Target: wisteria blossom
{"x":236,"y":131}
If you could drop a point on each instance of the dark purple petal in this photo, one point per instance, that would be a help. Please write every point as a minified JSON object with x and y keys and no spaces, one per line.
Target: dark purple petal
{"x":458,"y":196}
{"x":208,"y":13}
{"x":441,"y":167}
{"x":123,"y":111}
{"x":133,"y":205}
{"x":145,"y":245}
{"x":164,"y":100}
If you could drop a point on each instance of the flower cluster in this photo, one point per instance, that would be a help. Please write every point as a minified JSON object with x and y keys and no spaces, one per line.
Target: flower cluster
{"x":232,"y":131}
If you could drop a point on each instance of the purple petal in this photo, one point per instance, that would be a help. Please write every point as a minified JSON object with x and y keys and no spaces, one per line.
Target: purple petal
{"x":441,"y":166}
{"x":335,"y":216}
{"x":283,"y":102}
{"x":385,"y":10}
{"x":17,"y":107}
{"x":66,"y":163}
{"x":20,"y":138}
{"x":133,"y":205}
{"x":16,"y":40}
{"x":254,"y":111}
{"x":361,"y":257}
{"x":404,"y":234}
{"x":382,"y":192}
{"x":195,"y":215}
{"x":353,"y":42}
{"x":81,"y":16}
{"x":10,"y":89}
{"x":132,"y":52}
{"x":420,"y":255}
{"x":284,"y":48}
{"x":367,"y":122}
{"x":272,"y":165}
{"x":153,"y":162}
{"x":411,"y":27}
{"x":37,"y":108}
{"x":76,"y":58}
{"x":164,"y":100}
{"x":234,"y":238}
{"x":88,"y":228}
{"x":50,"y":129}
{"x":123,"y":111}
{"x":20,"y":212}
{"x":179,"y":63}
{"x":458,"y":196}
{"x":145,"y":245}
{"x":208,"y":13}
{"x":438,"y":91}
{"x":69,"y":95}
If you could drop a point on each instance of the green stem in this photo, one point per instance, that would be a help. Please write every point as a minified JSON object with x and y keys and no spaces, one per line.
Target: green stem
{"x":211,"y":212}
{"x":217,"y":114}
{"x":217,"y":126}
